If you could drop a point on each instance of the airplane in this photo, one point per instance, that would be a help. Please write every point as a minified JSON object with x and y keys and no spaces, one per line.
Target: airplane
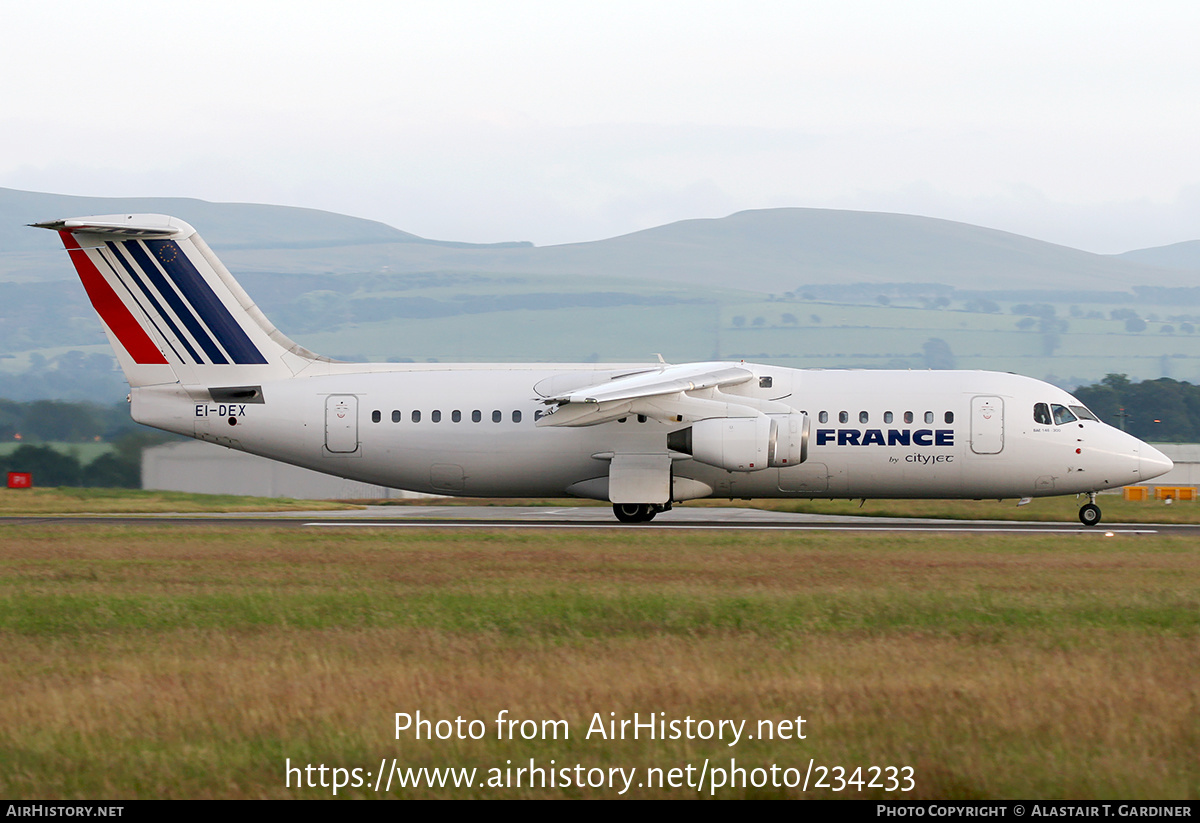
{"x":202,"y":360}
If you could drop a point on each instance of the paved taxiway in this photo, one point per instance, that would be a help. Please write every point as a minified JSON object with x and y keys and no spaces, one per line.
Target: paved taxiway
{"x":584,"y":517}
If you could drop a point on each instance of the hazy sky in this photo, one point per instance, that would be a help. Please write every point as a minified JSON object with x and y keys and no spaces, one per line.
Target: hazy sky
{"x":1074,"y":122}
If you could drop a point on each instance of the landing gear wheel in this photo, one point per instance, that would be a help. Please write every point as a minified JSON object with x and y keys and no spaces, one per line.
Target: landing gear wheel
{"x":635,"y":512}
{"x":1089,"y":515}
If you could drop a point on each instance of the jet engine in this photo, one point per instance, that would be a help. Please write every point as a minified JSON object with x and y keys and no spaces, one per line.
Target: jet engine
{"x":745,"y":444}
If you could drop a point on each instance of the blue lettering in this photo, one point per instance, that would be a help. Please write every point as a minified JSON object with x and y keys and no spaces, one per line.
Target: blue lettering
{"x":871,"y":437}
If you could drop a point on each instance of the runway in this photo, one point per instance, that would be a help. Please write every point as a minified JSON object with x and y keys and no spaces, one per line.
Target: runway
{"x":596,"y":517}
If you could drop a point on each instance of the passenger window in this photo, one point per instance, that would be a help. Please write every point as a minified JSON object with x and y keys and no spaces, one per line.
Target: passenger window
{"x":476,"y":416}
{"x":456,"y":416}
{"x":1062,"y":414}
{"x":823,"y":417}
{"x":843,"y":417}
{"x":517,"y":417}
{"x":1041,"y":414}
{"x":496,"y":416}
{"x":908,"y":417}
{"x":416,"y":416}
{"x":863,"y":417}
{"x":376,"y":416}
{"x":949,"y":418}
{"x":928,"y":417}
{"x":396,"y":416}
{"x":887,"y":417}
{"x":436,"y":416}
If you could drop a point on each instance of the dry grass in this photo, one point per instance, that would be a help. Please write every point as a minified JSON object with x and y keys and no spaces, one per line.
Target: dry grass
{"x":68,"y":500}
{"x":1004,"y":666}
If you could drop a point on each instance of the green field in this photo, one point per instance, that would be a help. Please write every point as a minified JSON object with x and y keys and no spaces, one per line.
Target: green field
{"x":197,"y":661}
{"x":455,"y":317}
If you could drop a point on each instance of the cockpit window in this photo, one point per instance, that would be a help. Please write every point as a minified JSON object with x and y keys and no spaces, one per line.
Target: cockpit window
{"x":1041,"y":414}
{"x":1062,"y":414}
{"x":1083,"y":414}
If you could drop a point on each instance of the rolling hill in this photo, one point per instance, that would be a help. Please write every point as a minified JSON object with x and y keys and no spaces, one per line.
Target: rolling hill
{"x":801,"y":287}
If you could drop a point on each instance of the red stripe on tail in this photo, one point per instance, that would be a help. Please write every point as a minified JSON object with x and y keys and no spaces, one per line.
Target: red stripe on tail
{"x":110,"y":308}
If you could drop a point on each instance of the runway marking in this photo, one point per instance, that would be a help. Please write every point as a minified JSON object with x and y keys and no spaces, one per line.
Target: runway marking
{"x":511,"y":524}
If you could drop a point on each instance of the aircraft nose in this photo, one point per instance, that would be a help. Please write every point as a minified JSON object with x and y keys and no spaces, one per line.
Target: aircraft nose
{"x":1152,"y":462}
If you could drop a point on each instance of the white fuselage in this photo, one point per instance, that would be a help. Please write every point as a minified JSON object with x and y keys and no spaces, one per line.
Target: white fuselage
{"x":472,"y":430}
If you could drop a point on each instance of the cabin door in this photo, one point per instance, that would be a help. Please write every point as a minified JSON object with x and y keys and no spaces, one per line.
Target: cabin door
{"x":987,"y":425}
{"x":341,"y":423}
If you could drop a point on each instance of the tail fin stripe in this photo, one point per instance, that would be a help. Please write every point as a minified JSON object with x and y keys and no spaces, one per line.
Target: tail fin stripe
{"x":103,"y":257}
{"x":158,"y":309}
{"x":210,"y":308}
{"x":182,"y":311}
{"x":112,"y":311}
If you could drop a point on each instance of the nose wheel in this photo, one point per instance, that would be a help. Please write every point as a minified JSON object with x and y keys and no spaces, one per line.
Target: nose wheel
{"x":635,"y":512}
{"x":1089,"y":514}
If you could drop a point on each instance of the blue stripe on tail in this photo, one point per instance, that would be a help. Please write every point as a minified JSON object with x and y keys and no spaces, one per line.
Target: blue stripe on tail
{"x":206,"y":303}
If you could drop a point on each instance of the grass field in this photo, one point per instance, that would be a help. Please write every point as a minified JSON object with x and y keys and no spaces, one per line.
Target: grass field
{"x":68,"y":500}
{"x":141,"y":662}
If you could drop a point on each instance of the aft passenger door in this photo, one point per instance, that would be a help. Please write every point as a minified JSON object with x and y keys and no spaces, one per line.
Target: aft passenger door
{"x":987,"y":425}
{"x":341,"y":423}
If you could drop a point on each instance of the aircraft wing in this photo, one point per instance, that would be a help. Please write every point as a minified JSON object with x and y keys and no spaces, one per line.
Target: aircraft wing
{"x":667,"y":393}
{"x":660,"y":381}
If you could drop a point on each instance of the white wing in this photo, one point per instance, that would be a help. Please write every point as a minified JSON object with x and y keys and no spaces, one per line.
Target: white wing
{"x":671,"y":394}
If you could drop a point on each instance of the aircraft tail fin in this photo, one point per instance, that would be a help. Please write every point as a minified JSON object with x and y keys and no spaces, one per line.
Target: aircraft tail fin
{"x":171,"y":309}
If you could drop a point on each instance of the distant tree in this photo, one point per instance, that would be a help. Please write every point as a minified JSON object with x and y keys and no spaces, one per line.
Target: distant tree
{"x":1116,"y":382}
{"x":1123,"y":314}
{"x":1135,"y":324}
{"x":112,"y":471}
{"x":938,"y":354}
{"x":48,"y":467}
{"x":1167,"y":329}
{"x":814,"y":318}
{"x":1162,"y":409}
{"x":982,"y":305}
{"x":760,"y":321}
{"x":1187,"y":328}
{"x":883,"y":300}
{"x":789,"y":319}
{"x":1026,"y":323}
{"x":739,"y":321}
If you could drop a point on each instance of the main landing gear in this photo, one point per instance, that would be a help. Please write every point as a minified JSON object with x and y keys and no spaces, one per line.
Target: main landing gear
{"x":637,"y":512}
{"x":1089,"y":514}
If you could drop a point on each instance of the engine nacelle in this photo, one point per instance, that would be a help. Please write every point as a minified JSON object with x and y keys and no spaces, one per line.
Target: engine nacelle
{"x":745,"y":444}
{"x":789,"y":436}
{"x":738,"y":444}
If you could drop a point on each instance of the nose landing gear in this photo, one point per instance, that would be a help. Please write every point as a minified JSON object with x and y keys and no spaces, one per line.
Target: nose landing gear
{"x":1089,"y":514}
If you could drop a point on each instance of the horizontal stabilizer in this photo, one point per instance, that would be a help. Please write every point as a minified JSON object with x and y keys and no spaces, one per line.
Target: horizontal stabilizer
{"x":124,"y":225}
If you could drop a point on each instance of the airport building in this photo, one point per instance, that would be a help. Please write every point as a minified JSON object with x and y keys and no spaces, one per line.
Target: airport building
{"x":206,"y":468}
